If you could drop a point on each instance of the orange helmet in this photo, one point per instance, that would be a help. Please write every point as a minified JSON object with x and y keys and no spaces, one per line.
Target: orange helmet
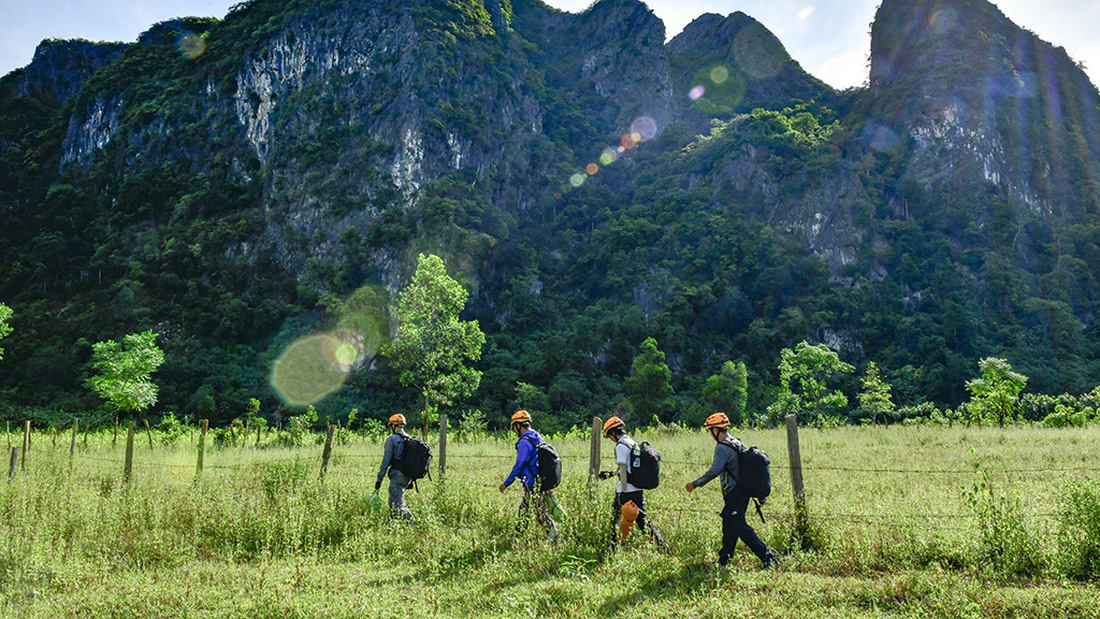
{"x":717,"y":420}
{"x":611,"y":424}
{"x":396,"y":420}
{"x":520,"y":417}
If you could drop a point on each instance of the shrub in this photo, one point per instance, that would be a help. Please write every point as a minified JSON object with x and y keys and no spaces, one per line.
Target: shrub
{"x":1079,"y":535}
{"x":1005,"y":544}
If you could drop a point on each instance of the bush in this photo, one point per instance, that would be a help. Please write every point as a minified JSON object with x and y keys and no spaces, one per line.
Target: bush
{"x":1005,"y":544}
{"x":1066,"y":417}
{"x":1079,"y":536}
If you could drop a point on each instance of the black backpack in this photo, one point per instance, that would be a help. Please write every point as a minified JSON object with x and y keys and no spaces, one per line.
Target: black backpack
{"x":756,"y":477}
{"x":645,"y":466}
{"x":549,"y":465}
{"x":416,"y":457}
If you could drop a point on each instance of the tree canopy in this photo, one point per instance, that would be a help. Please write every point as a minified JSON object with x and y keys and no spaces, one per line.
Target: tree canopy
{"x":432,"y":345}
{"x":123,"y":371}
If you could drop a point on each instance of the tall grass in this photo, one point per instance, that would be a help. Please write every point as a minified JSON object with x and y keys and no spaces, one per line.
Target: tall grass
{"x":1015,"y":504}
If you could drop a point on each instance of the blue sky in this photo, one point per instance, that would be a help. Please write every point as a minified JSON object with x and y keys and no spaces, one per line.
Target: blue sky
{"x":830,"y":38}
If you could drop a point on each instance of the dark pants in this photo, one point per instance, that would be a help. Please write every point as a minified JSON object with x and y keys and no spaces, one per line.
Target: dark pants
{"x":734,"y":527}
{"x":535,"y":501}
{"x":616,"y":513}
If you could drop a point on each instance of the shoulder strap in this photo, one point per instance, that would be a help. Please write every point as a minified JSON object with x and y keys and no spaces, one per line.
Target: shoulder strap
{"x":535,"y":452}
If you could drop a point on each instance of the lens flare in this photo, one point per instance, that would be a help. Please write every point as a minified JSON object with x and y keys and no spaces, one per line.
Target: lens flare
{"x":591,"y":169}
{"x":805,"y":13}
{"x":697,"y":92}
{"x":880,"y":137}
{"x":644,"y":127}
{"x":608,"y":156}
{"x":312,"y":368}
{"x":719,"y":74}
{"x":576,"y":180}
{"x":191,"y":46}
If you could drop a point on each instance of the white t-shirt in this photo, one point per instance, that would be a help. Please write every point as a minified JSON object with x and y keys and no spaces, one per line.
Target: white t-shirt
{"x":622,"y":456}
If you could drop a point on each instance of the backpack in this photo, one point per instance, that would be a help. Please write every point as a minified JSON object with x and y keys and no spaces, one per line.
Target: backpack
{"x":549,"y":465}
{"x":755,"y":478}
{"x":416,"y":457}
{"x":645,"y":466}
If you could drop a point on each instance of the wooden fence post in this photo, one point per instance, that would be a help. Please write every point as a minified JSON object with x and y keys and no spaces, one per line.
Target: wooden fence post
{"x":149,"y":433}
{"x":202,"y":445}
{"x":328,"y":449}
{"x":594,"y":450}
{"x":72,"y":446}
{"x":800,"y":516}
{"x":26,"y":442}
{"x":14,"y":460}
{"x":442,"y":445}
{"x":129,"y":466}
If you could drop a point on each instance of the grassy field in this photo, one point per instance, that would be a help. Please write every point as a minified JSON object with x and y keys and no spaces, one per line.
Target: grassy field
{"x":905,"y":521}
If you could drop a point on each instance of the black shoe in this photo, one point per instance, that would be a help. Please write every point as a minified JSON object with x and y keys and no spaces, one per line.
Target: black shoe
{"x":770,"y":562}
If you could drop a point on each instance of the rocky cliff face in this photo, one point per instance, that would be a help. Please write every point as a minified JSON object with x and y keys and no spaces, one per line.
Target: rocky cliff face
{"x":979,"y":99}
{"x":246,"y":171}
{"x":60,"y":68}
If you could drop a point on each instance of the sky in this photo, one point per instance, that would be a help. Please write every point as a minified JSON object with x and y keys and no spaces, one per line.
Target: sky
{"x":829,"y":38}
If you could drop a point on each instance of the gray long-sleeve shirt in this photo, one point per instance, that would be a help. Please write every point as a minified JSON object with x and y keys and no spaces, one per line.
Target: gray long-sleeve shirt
{"x":726,"y":464}
{"x":395,"y":444}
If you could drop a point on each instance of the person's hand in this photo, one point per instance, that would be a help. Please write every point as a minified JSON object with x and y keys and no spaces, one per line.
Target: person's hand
{"x":377,"y":485}
{"x":689,"y":487}
{"x":762,"y":500}
{"x":503,"y":488}
{"x":605,"y":474}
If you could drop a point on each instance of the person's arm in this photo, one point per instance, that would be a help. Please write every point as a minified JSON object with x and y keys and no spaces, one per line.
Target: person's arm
{"x":387,"y":456}
{"x":523,"y":454}
{"x":621,"y":461}
{"x":722,"y":455}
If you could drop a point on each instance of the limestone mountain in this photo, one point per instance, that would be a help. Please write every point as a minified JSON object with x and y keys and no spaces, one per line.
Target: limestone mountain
{"x":235,"y":184}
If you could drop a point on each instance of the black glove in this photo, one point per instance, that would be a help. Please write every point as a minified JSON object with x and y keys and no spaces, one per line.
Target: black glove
{"x":377,"y":485}
{"x":605,"y":474}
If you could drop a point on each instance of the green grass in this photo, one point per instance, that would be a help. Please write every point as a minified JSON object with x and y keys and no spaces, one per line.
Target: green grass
{"x":259,"y":534}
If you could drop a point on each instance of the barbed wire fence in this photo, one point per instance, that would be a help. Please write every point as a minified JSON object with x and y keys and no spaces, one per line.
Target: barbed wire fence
{"x":942,"y":520}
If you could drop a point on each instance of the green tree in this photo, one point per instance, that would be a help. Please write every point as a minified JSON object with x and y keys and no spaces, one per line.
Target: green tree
{"x":874,"y":400}
{"x":994,"y":394}
{"x":803,"y":382}
{"x":648,"y":389}
{"x":531,"y":398}
{"x":122,"y":371}
{"x":728,"y":391}
{"x":5,"y":328}
{"x":432,"y":345}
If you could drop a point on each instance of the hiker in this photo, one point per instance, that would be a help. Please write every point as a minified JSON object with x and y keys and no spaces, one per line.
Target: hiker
{"x":391,"y":462}
{"x":526,"y":470}
{"x":734,"y":526}
{"x":625,"y":492}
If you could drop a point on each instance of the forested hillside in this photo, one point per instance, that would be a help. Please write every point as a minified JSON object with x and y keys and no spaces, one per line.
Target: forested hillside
{"x":235,"y":185}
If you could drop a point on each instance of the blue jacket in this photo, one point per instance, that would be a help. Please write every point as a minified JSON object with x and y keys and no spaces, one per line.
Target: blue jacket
{"x":526,"y":468}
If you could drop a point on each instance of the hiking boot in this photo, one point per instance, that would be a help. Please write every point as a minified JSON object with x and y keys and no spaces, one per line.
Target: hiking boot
{"x":770,"y":562}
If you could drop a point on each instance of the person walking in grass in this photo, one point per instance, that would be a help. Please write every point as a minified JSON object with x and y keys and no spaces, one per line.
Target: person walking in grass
{"x":726,"y":465}
{"x":526,"y":470}
{"x":391,"y":463}
{"x":625,"y":492}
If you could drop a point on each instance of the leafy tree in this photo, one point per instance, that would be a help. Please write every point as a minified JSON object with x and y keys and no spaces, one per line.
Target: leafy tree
{"x":123,"y":371}
{"x":432,"y":344}
{"x":531,"y":398}
{"x":874,"y":400}
{"x":648,"y":389}
{"x":994,"y":394}
{"x":5,"y":328}
{"x":727,"y":391}
{"x":803,"y":376}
